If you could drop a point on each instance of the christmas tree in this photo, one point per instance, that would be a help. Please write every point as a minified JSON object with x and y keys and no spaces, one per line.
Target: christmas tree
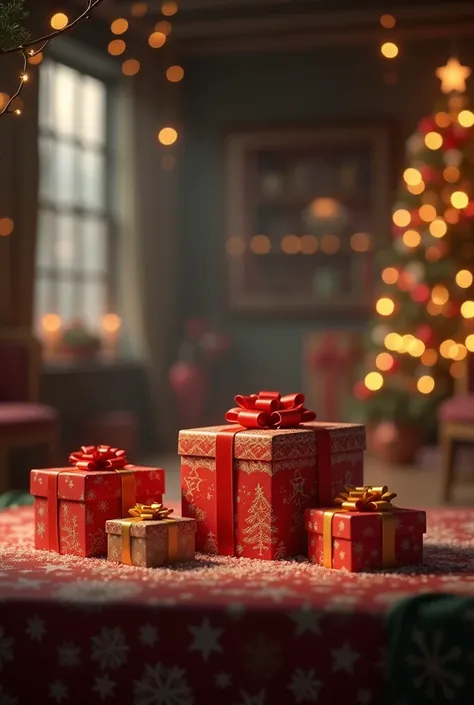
{"x":260,"y":531}
{"x":425,"y":308}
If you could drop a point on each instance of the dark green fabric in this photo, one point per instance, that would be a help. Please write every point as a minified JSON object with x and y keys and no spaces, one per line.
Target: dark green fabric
{"x":15,"y":498}
{"x":431,"y":651}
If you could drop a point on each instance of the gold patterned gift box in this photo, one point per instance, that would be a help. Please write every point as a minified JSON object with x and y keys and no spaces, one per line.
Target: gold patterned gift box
{"x":151,"y":538}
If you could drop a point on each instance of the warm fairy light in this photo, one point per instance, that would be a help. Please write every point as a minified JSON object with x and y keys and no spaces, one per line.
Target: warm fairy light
{"x":438,"y":228}
{"x":417,"y":189}
{"x":464,"y":279}
{"x":6,"y":227}
{"x":446,"y":347}
{"x":390,"y":275}
{"x":119,"y":26}
{"x":130,"y":67}
{"x":458,"y":352}
{"x":433,"y":309}
{"x":459,"y":199}
{"x":401,"y":217}
{"x":425,"y":384}
{"x":17,"y":112}
{"x":453,"y":76}
{"x":373,"y":381}
{"x":36,"y":58}
{"x":405,"y":343}
{"x":427,"y":213}
{"x":175,"y":73}
{"x":164,"y":27}
{"x":451,"y":216}
{"x":139,"y":9}
{"x":384,"y":361}
{"x":360,"y":242}
{"x":388,"y":21}
{"x":389,"y":50}
{"x":116,"y":47}
{"x":439,"y":295}
{"x":433,"y":254}
{"x":433,"y":140}
{"x":412,"y":177}
{"x":308,"y":244}
{"x":442,"y":119}
{"x":260,"y":245}
{"x":429,"y":357}
{"x":469,"y":342}
{"x":24,"y":77}
{"x":330,"y":244}
{"x":466,"y":118}
{"x":411,"y":238}
{"x":156,"y":40}
{"x":457,"y":370}
{"x":235,"y":246}
{"x":51,"y":322}
{"x":167,"y":136}
{"x":451,"y":174}
{"x":385,"y":306}
{"x":111,"y":322}
{"x":290,"y":244}
{"x":59,"y":21}
{"x":416,"y":348}
{"x":467,"y":309}
{"x":393,"y":341}
{"x":169,"y":8}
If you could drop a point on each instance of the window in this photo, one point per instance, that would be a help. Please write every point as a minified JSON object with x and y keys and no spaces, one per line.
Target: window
{"x":74,"y":264}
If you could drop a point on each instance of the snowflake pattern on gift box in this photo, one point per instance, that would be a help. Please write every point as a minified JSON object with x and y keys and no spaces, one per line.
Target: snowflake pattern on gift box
{"x":109,"y":648}
{"x":40,"y":529}
{"x":103,"y":505}
{"x":304,"y":686}
{"x":163,"y":686}
{"x":435,"y":663}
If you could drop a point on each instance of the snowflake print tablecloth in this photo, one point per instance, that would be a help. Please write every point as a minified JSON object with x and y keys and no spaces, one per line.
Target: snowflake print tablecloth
{"x":220,"y":630}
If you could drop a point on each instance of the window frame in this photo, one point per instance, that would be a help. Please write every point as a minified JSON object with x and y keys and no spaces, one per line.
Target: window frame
{"x":89,"y":62}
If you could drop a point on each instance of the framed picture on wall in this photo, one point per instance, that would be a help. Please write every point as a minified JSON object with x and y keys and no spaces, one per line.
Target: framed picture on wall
{"x":307,"y":210}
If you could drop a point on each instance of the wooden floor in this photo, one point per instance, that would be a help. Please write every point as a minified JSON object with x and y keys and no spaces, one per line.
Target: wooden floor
{"x":416,"y":486}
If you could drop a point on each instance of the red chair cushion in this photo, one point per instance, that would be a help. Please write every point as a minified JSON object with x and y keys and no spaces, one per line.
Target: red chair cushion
{"x":458,"y":408}
{"x":24,"y":418}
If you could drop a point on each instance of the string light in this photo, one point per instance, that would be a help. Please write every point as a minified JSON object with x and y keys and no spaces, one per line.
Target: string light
{"x":439,"y":294}
{"x":469,"y":342}
{"x":390,"y":275}
{"x":59,"y":20}
{"x":360,"y":242}
{"x":389,"y":50}
{"x":156,"y":40}
{"x":164,"y":27}
{"x":111,"y":322}
{"x":464,"y":279}
{"x":6,"y":227}
{"x":35,"y":59}
{"x":442,"y":119}
{"x":417,"y":189}
{"x":438,"y":228}
{"x":433,"y":140}
{"x":51,"y":322}
{"x":451,"y":216}
{"x":373,"y":381}
{"x":169,"y":8}
{"x":235,"y":246}
{"x":175,"y":73}
{"x":308,"y":244}
{"x":427,"y":213}
{"x":411,"y":238}
{"x":290,"y":244}
{"x":119,"y":26}
{"x":401,"y":217}
{"x":384,"y":361}
{"x":451,"y":174}
{"x":130,"y":67}
{"x":459,"y":199}
{"x":429,"y":357}
{"x":412,"y":177}
{"x":458,"y":352}
{"x":388,"y":21}
{"x":466,"y":118}
{"x":116,"y":47}
{"x":425,"y":384}
{"x":24,"y":77}
{"x":330,"y":244}
{"x":457,"y":370}
{"x":416,"y":348}
{"x":385,"y":306}
{"x":393,"y":341}
{"x":139,"y":9}
{"x":446,"y":347}
{"x":260,"y":245}
{"x":467,"y":309}
{"x":167,"y":136}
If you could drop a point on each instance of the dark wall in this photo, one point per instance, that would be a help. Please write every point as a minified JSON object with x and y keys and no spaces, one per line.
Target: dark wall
{"x":221,"y":92}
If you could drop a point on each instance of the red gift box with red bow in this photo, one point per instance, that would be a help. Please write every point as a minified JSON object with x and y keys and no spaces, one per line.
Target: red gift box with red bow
{"x":73,"y":503}
{"x":248,"y":484}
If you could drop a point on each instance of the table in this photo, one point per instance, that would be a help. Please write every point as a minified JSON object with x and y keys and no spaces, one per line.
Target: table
{"x":221,"y":630}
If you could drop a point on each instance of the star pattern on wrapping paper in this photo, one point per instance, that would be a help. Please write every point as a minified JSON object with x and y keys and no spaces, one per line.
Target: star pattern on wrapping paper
{"x":306,"y":619}
{"x":247,"y":699}
{"x":104,"y":687}
{"x":298,"y":494}
{"x":344,"y":659}
{"x":206,"y":639}
{"x":36,"y":628}
{"x":148,"y":635}
{"x":58,"y":691}
{"x":222,"y":680}
{"x":192,"y":482}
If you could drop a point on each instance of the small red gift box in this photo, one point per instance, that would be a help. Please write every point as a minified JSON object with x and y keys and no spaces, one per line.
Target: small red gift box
{"x":365,"y":533}
{"x":249,"y":484}
{"x":72,"y":504}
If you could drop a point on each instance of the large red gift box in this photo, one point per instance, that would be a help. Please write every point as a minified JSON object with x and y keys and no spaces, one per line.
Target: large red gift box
{"x":365,"y":540}
{"x":248,"y":488}
{"x":72,"y":504}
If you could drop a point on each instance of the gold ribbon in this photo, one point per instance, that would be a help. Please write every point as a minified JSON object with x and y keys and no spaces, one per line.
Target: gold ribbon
{"x":363,"y":499}
{"x":149,"y":512}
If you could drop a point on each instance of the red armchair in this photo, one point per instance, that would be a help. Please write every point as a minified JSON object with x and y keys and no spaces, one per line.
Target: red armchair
{"x":23,"y":421}
{"x":456,"y":424}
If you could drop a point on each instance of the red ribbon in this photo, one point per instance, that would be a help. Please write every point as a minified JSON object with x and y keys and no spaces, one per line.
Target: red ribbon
{"x":98,"y":458}
{"x":254,"y":411}
{"x":269,"y":410}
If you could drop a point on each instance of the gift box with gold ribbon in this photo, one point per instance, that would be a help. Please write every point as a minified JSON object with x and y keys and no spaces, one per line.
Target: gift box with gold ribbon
{"x":248,"y":483}
{"x":150,"y":537}
{"x":365,"y":531}
{"x":73,"y":503}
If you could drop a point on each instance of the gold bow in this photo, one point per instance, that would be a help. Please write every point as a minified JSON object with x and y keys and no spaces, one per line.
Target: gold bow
{"x":366,"y":499}
{"x":150,"y":512}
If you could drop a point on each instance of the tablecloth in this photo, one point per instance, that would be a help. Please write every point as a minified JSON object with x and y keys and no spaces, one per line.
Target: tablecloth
{"x":220,"y":631}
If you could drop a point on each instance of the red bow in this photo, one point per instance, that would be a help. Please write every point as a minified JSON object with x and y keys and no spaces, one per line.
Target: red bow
{"x":269,"y":410}
{"x":99,"y":458}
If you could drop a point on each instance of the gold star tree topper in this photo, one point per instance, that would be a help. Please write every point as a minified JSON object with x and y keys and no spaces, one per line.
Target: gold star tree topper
{"x":453,"y":76}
